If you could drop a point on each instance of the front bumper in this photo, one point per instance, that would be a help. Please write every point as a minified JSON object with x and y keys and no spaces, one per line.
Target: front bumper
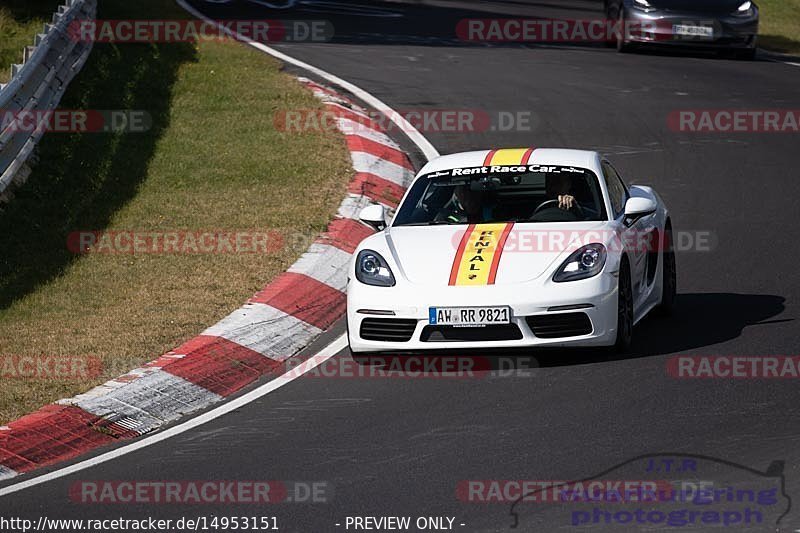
{"x":657,"y":28}
{"x":410,"y":303}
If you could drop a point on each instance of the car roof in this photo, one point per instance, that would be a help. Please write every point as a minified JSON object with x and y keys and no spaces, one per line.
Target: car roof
{"x":515,"y":156}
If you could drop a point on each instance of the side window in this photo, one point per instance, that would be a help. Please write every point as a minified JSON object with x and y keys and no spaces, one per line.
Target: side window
{"x":617,"y":190}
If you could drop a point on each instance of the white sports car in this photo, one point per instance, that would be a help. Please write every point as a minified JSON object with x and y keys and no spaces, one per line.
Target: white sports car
{"x":511,"y":248}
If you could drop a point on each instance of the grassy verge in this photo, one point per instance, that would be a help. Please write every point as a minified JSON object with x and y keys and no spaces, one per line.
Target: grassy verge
{"x":211,"y":161}
{"x":780,"y":26}
{"x":20,"y":20}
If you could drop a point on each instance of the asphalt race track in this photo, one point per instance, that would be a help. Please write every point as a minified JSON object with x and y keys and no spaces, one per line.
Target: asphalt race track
{"x":389,"y":447}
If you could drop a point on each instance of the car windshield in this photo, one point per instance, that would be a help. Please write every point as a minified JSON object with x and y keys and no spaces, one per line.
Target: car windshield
{"x":503,"y":194}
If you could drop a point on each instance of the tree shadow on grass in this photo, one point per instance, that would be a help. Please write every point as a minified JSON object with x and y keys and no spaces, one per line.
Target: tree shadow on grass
{"x":82,"y":179}
{"x":26,"y":10}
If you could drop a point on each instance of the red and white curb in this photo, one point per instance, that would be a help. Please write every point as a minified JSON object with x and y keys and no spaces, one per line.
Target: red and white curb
{"x":274,"y":325}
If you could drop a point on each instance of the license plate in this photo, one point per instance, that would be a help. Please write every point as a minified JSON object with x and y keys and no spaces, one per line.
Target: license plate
{"x":469,"y":316}
{"x":691,"y":30}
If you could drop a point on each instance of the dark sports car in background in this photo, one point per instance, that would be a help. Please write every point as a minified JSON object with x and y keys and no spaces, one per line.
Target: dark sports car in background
{"x":716,"y":24}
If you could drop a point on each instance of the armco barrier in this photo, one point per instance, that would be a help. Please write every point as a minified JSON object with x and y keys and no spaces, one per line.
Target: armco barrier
{"x":38,"y":84}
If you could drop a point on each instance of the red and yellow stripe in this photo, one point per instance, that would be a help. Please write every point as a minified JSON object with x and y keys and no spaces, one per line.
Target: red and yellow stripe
{"x":479,"y":251}
{"x":509,"y":156}
{"x":478,"y":254}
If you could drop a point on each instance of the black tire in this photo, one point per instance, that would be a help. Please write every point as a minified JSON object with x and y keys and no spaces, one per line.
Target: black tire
{"x":669,"y":275}
{"x":624,"y":309}
{"x":622,"y":46}
{"x":748,"y":54}
{"x":609,"y":42}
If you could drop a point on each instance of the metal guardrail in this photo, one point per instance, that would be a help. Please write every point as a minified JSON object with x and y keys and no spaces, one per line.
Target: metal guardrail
{"x":38,"y":84}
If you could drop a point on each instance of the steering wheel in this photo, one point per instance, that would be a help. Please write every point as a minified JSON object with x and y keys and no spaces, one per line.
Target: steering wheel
{"x":549,"y":204}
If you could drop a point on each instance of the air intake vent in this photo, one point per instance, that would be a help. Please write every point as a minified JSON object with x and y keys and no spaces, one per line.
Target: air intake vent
{"x":388,"y":329}
{"x":560,"y":325}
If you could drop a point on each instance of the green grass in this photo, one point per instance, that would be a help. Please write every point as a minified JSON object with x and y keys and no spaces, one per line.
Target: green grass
{"x":20,"y":21}
{"x":780,"y":26}
{"x":212,"y":160}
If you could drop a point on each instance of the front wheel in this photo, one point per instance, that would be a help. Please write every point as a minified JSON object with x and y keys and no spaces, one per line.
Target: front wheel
{"x":624,"y":310}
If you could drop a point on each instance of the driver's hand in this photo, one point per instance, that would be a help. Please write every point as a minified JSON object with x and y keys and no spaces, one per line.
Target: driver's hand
{"x":566,"y":201}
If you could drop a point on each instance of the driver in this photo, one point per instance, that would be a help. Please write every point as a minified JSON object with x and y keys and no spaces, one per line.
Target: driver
{"x":464,"y":206}
{"x":557,"y":187}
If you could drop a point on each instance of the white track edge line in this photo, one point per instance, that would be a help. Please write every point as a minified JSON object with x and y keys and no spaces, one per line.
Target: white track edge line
{"x":284,"y":379}
{"x":405,"y":126}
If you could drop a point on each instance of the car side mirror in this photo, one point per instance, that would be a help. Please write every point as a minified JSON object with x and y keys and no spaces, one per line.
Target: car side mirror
{"x":636,"y":208}
{"x":373,"y":215}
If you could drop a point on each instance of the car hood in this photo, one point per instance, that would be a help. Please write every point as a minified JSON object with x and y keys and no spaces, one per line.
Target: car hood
{"x":698,"y":6}
{"x":427,"y":254}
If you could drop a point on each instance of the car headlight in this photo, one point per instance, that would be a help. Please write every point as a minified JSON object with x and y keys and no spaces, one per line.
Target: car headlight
{"x":372,"y":269}
{"x":747,"y":9}
{"x":644,"y":5}
{"x":587,"y":262}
